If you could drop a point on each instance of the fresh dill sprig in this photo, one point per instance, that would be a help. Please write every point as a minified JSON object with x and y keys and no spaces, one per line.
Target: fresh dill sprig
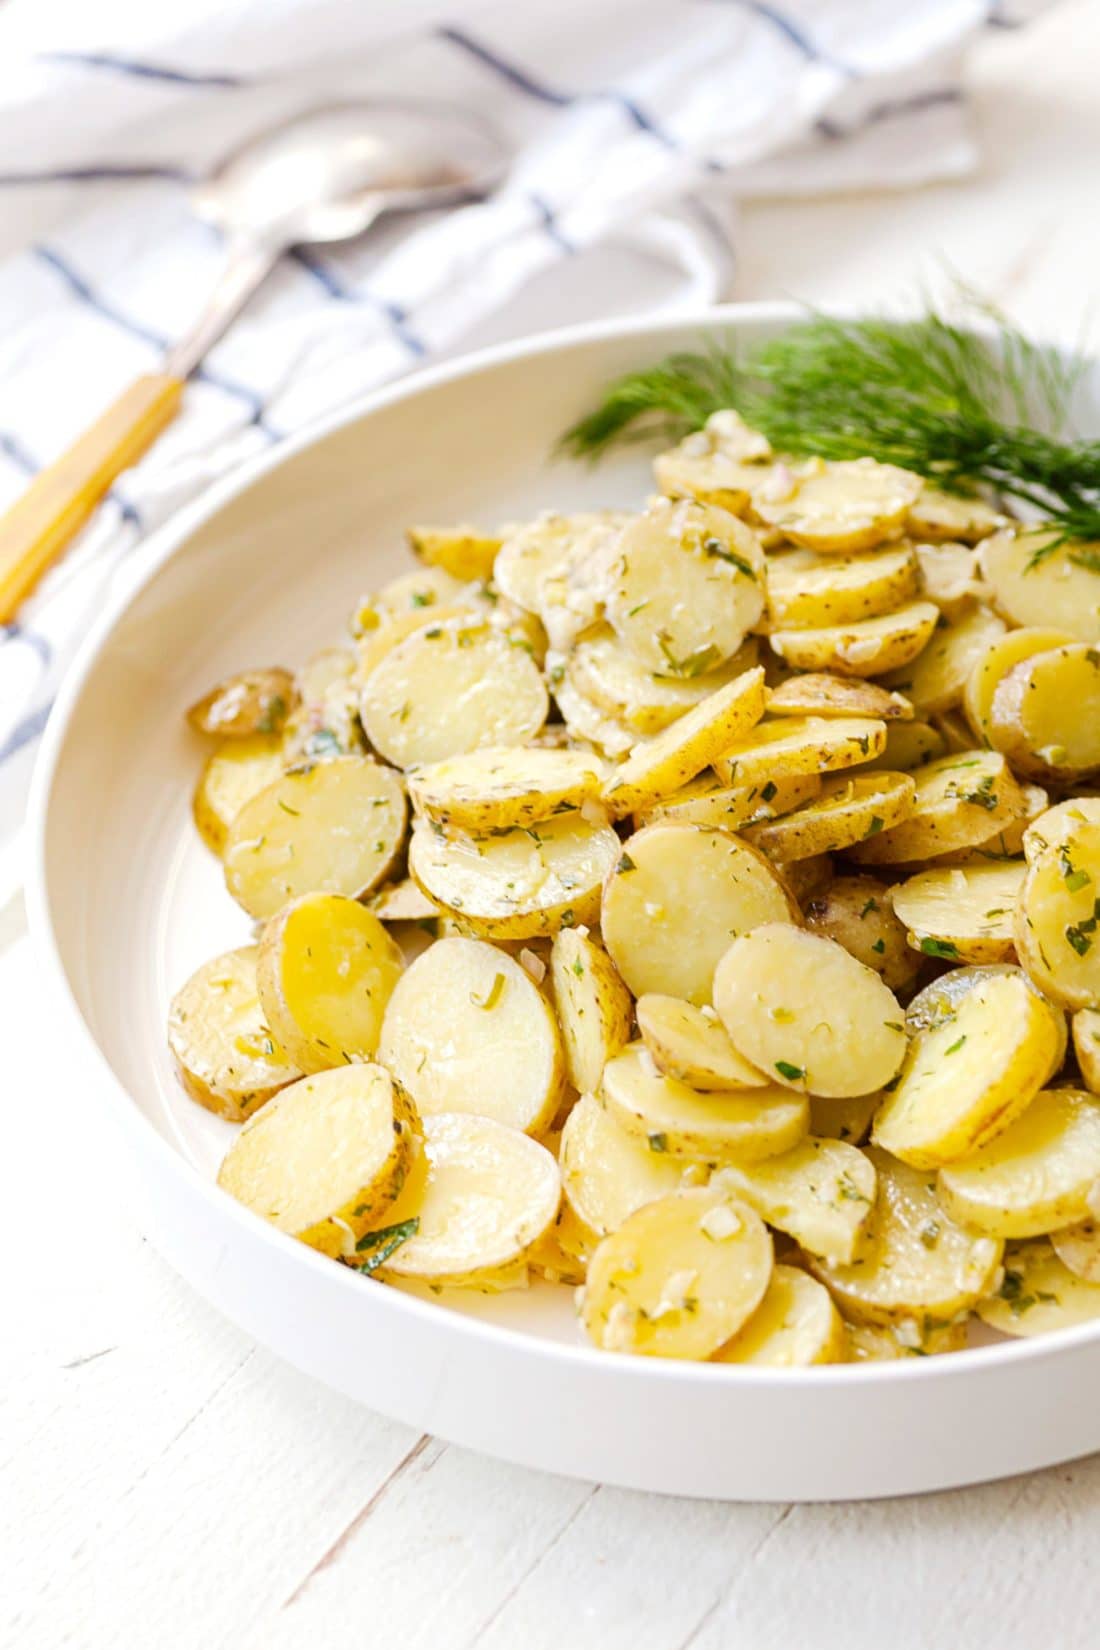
{"x":928,"y":395}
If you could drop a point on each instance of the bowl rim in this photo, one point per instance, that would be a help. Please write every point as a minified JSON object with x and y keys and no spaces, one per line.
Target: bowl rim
{"x":171,"y":539}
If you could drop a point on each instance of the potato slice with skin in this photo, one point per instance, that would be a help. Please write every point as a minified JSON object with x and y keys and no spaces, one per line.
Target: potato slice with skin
{"x":851,"y":505}
{"x":467,"y":1030}
{"x":518,"y":884}
{"x":843,"y":1119}
{"x":917,"y":1265}
{"x":967,"y":911}
{"x":690,"y":1044}
{"x":673,"y":900}
{"x":857,"y":914}
{"x":796,"y":1324}
{"x":532,"y":568}
{"x":326,"y":1158}
{"x":668,"y":760}
{"x":938,"y":1002}
{"x":253,"y":701}
{"x":225,"y":1054}
{"x":423,"y":587}
{"x":803,"y":1008}
{"x":820,"y":1193}
{"x":584,"y":719}
{"x":465,"y":552}
{"x":867,"y":647}
{"x":402,"y":902}
{"x":1046,"y":715}
{"x":379,"y":643}
{"x":606,"y":671}
{"x":909,"y":745}
{"x":687,"y":586}
{"x":608,"y":1172}
{"x":561,"y":1255}
{"x":325,"y":722}
{"x":936,"y":681}
{"x":819,"y":694}
{"x":960,"y":801}
{"x":1005,"y":844}
{"x":679,"y":1278}
{"x":1002,"y":654}
{"x":1056,"y":919}
{"x":938,"y":515}
{"x":706,"y":801}
{"x":1037,"y":581}
{"x":1038,"y":1294}
{"x":967,"y":1079}
{"x":950,"y":577}
{"x":504,"y":786}
{"x":805,"y":878}
{"x":593,"y":1004}
{"x":1086,"y":1046}
{"x":806,"y":590}
{"x":1058,"y":824}
{"x":483,"y":1195}
{"x":1078,"y":1248}
{"x":793,"y":745}
{"x":451,"y":688}
{"x":724,"y":463}
{"x":850,"y":808}
{"x":334,"y":828}
{"x":909,"y":1338}
{"x":325,"y":972}
{"x":235,"y":773}
{"x":1036,"y":1176}
{"x":683,"y":1122}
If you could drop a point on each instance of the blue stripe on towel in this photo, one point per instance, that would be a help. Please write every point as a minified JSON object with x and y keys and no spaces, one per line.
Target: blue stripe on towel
{"x":138,"y":70}
{"x":548,"y":221}
{"x":335,"y":287}
{"x":894,"y":109}
{"x":795,"y":35}
{"x":99,"y":174}
{"x":25,"y":732}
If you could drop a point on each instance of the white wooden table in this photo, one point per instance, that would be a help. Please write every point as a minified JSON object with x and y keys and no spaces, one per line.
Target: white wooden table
{"x":166,"y":1482}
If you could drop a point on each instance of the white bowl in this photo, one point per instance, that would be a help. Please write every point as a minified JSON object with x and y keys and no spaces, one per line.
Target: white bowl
{"x":125,"y":901}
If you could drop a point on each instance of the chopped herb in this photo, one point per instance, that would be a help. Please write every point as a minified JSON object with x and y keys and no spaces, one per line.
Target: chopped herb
{"x":983,"y":797}
{"x":939,"y":948}
{"x":274,"y":715}
{"x":632,"y":610}
{"x":626,"y":863}
{"x":658,"y":1142}
{"x":715,"y":547}
{"x":769,"y":791}
{"x":793,"y":1074}
{"x":848,"y":1191}
{"x":879,"y":946}
{"x":956,"y":1046}
{"x":287,"y":809}
{"x":893,"y":1025}
{"x":1078,"y":937}
{"x":422,"y":598}
{"x":877,"y":822}
{"x":930,"y":1234}
{"x":492,"y":997}
{"x":693,"y":664}
{"x":380,"y":1245}
{"x":872,"y":905}
{"x":578,"y":968}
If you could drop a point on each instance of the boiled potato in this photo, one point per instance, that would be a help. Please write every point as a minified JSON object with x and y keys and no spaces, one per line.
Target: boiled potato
{"x":706,"y":801}
{"x":908,"y":745}
{"x":950,"y":577}
{"x":674,"y":897}
{"x":1056,"y":825}
{"x":917,"y":1263}
{"x":690,"y":1044}
{"x":1036,"y":580}
{"x":866,"y":647}
{"x":679,"y":1278}
{"x":225,"y":1054}
{"x":850,"y":808}
{"x":822,"y":695}
{"x":937,"y":680}
{"x":1086,"y":1046}
{"x":659,"y":765}
{"x":684,"y":1122}
{"x":1003,"y":845}
{"x":504,"y":786}
{"x":325,"y":973}
{"x":559,"y":567}
{"x":805,"y":878}
{"x":607,"y":672}
{"x":722,"y":464}
{"x":607,"y":1172}
{"x":326,"y":1158}
{"x":562,"y":1253}
{"x":1045,"y":715}
{"x":403,"y":902}
{"x":938,"y":515}
{"x":968,"y":1078}
{"x":847,"y":1118}
{"x":803,"y":1010}
{"x":1002,"y":654}
{"x":379,"y":643}
{"x":465,"y":552}
{"x":334,"y":828}
{"x":1038,"y":1293}
{"x":423,"y":587}
{"x":236,"y":772}
{"x":1056,"y":919}
{"x":807,"y":591}
{"x":960,"y":801}
{"x":593,"y":1004}
{"x":793,"y":745}
{"x":820,"y":1193}
{"x":583,"y":718}
{"x":968,"y":911}
{"x":908,"y":1338}
{"x":325,"y":723}
{"x":851,"y":505}
{"x":1037,"y":1175}
{"x":1078,"y":1248}
{"x":253,"y":701}
{"x":857,"y":914}
{"x":467,"y":1030}
{"x":938,"y":1001}
{"x":795,"y":1324}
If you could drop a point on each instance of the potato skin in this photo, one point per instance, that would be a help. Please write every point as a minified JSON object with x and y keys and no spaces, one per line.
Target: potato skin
{"x":253,"y":701}
{"x":856,"y":912}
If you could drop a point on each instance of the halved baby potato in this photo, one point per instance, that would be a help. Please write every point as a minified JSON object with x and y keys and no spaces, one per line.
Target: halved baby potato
{"x":1037,"y":579}
{"x":796,"y":1324}
{"x":608,"y":1172}
{"x":850,"y":808}
{"x":660,"y":765}
{"x":334,"y":828}
{"x":819,"y":694}
{"x":793,"y":745}
{"x":706,"y":801}
{"x":851,"y":505}
{"x":463,"y":551}
{"x":608,"y":673}
{"x":1038,"y":1293}
{"x":1001,"y":655}
{"x":1045,"y":715}
{"x":325,"y":1159}
{"x":936,"y":681}
{"x":679,"y":1277}
{"x":685,"y":1122}
{"x":938,"y":515}
{"x":225,"y":1054}
{"x":236,"y":772}
{"x":593,"y":1004}
{"x":467,"y":1030}
{"x":857,"y":914}
{"x":502,"y":786}
{"x":807,"y":590}
{"x":964,"y":914}
{"x":691,"y":1045}
{"x":325,"y":973}
{"x":960,"y":801}
{"x":252,"y":702}
{"x":820,"y":1193}
{"x":1057,"y":916}
{"x":866,"y":647}
{"x":1037,"y":1175}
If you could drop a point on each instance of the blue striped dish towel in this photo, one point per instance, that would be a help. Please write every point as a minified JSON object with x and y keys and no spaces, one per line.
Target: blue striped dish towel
{"x":636,"y":126}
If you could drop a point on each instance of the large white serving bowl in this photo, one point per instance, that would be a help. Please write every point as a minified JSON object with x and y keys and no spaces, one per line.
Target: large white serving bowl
{"x":125,"y":901}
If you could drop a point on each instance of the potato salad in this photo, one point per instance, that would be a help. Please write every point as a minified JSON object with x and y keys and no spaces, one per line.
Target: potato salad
{"x":695,"y":909}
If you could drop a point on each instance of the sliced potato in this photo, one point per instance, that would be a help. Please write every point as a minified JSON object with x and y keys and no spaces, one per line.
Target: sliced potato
{"x":326,"y":1158}
{"x":805,"y":1012}
{"x":938,"y":1001}
{"x":857,"y":914}
{"x":379,"y":643}
{"x":683,"y":1122}
{"x":520,"y":883}
{"x":325,"y":972}
{"x":796,"y":1324}
{"x":451,"y":688}
{"x":607,"y":672}
{"x":253,"y":701}
{"x":820,"y":1193}
{"x":936,"y":681}
{"x":593,"y":1004}
{"x":423,"y":587}
{"x":850,"y":808}
{"x":225,"y":1054}
{"x":938,"y":515}
{"x":562,"y":1253}
{"x":1002,"y":654}
{"x":608,"y":1172}
{"x":1038,"y":581}
{"x":675,"y":896}
{"x":236,"y":772}
{"x":1037,"y":1175}
{"x":690,"y":1044}
{"x":909,"y":745}
{"x":558,"y":567}
{"x":950,"y":577}
{"x":968,"y":1078}
{"x":908,"y":1338}
{"x":1038,"y":1293}
{"x":325,"y":722}
{"x":917,"y":1263}
{"x":659,"y":765}
{"x":804,"y":878}
{"x":402,"y":902}
{"x":1046,"y":715}
{"x":807,"y":591}
{"x":1056,"y":825}
{"x":967,"y":913}
{"x":504,"y":786}
{"x":583,"y":718}
{"x":679,"y":1278}
{"x":722,"y":464}
{"x":960,"y":801}
{"x":465,"y":552}
{"x":793,"y":745}
{"x":1057,"y":915}
{"x":1078,"y":1248}
{"x":706,"y":801}
{"x":467,"y":1030}
{"x":851,"y":505}
{"x":848,"y":1118}
{"x":822,"y":695}
{"x":687,"y":587}
{"x":1086,"y":1046}
{"x":334,"y":828}
{"x":866,"y":647}
{"x":1004,"y":844}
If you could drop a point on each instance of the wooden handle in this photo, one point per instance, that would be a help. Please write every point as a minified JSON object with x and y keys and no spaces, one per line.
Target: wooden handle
{"x":59,"y":501}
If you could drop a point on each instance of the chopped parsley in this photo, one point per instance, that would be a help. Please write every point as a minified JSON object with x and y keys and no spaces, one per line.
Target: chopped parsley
{"x":956,"y":1046}
{"x":793,"y":1074}
{"x":939,"y":948}
{"x":658,"y":1142}
{"x":492,"y":996}
{"x":377,"y":1247}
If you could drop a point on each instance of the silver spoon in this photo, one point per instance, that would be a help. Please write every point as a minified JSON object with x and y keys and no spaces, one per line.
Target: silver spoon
{"x":324,"y":176}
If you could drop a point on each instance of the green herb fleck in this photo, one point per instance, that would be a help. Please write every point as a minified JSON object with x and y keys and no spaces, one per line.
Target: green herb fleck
{"x":956,"y":1046}
{"x":793,"y":1074}
{"x":658,"y":1142}
{"x":379,"y":1246}
{"x":939,"y":948}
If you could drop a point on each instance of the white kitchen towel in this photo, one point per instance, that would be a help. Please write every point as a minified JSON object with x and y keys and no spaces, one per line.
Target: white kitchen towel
{"x":635,"y":125}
